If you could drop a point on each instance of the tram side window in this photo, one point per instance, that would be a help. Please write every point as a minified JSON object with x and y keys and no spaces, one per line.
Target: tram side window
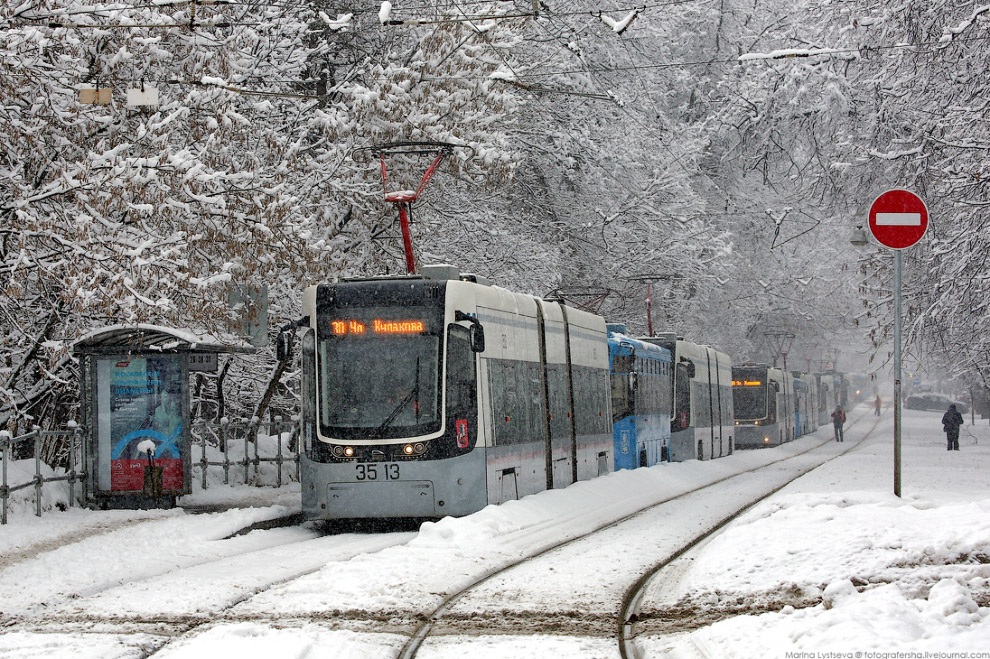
{"x":598,"y":395}
{"x":501,"y":383}
{"x":582,"y":402}
{"x":622,"y":396}
{"x":702,"y":405}
{"x":535,"y":413}
{"x":649,"y":395}
{"x":682,"y":399}
{"x":622,"y":387}
{"x":725,"y":411}
{"x":560,"y":422}
{"x":517,"y":398}
{"x":590,"y":399}
{"x":517,"y":403}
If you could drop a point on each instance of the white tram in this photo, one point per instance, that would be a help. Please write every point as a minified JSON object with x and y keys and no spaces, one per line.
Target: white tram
{"x":701,"y":421}
{"x":763,"y":398}
{"x":427,"y":396}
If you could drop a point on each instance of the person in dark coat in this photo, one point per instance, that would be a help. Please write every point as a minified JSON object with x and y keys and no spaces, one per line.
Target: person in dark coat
{"x":838,"y":418}
{"x":951,"y":421}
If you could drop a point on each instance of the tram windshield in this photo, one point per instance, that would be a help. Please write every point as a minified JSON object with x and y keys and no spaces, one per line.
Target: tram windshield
{"x":378,"y":377}
{"x":749,"y":394}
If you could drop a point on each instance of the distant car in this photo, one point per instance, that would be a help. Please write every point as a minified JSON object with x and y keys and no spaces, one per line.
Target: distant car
{"x":933,"y":401}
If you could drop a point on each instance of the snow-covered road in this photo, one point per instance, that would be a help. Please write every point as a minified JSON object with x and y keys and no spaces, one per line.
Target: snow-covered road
{"x":127,"y":591}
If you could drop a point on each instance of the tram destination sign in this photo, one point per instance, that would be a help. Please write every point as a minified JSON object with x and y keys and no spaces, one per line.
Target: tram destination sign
{"x":898,"y":219}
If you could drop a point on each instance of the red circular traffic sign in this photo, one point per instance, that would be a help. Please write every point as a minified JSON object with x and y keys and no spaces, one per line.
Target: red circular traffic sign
{"x":898,"y":219}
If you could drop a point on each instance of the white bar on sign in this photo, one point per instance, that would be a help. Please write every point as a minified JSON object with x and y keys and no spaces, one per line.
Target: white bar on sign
{"x":898,"y":219}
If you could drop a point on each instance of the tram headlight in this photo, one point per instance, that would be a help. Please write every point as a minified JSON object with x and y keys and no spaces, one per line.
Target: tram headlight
{"x":348,"y":451}
{"x":408,"y":449}
{"x":766,"y":440}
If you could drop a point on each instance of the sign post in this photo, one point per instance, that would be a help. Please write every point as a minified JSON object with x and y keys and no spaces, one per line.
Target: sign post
{"x":898,"y":220}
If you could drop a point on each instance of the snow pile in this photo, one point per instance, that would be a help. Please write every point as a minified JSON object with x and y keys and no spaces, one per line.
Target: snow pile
{"x":863,"y":535}
{"x":845,"y":572}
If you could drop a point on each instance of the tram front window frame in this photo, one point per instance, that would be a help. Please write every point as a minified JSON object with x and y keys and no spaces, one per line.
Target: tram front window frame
{"x":379,"y":385}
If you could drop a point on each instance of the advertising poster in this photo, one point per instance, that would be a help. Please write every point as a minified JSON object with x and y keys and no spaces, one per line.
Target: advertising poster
{"x":140,"y":419}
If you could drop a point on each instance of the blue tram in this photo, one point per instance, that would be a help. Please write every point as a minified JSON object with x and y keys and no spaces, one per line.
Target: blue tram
{"x":642,"y":390}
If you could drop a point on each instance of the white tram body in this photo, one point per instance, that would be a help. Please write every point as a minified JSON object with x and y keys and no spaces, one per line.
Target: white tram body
{"x":426,"y":397}
{"x":805,"y":403}
{"x":701,"y":421}
{"x":764,"y":406}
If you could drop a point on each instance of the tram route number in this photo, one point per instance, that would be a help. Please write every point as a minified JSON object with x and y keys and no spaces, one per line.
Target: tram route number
{"x":386,"y":471}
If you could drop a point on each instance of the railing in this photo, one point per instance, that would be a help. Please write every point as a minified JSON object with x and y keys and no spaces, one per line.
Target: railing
{"x":244,"y":445}
{"x":245,"y":437}
{"x":38,"y":438}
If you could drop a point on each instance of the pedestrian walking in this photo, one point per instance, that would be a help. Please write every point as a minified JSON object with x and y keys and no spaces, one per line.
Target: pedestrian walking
{"x":838,"y":418}
{"x":951,"y":421}
{"x":877,"y":404}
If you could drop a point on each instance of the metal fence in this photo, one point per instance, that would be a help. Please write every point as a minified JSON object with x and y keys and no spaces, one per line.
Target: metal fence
{"x":40,"y":438}
{"x":241,"y":446}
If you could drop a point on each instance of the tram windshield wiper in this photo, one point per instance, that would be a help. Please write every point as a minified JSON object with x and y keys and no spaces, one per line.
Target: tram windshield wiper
{"x":398,"y":409}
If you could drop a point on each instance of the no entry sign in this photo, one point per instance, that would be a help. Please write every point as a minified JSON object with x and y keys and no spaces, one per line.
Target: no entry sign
{"x":898,"y":219}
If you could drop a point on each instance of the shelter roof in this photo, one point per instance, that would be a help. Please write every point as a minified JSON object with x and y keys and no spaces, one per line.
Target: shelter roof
{"x":153,"y":338}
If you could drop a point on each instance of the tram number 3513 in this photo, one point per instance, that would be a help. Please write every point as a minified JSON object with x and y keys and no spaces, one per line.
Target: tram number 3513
{"x":375,"y":472}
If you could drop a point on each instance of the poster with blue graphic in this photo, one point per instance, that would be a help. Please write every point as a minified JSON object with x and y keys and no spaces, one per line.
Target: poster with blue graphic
{"x":140,"y":419}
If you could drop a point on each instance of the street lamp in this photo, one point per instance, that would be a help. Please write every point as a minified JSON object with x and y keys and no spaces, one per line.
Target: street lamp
{"x":859,"y":238}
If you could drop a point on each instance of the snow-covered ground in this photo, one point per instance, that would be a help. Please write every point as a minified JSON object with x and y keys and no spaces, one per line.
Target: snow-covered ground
{"x":833,"y":563}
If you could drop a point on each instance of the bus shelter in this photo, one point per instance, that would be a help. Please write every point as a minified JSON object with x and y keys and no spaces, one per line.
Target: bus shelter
{"x":135,"y":411}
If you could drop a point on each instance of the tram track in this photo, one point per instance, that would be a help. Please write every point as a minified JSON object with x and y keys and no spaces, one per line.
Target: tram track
{"x":469,"y":600}
{"x":457,"y":616}
{"x":629,"y":616}
{"x":211,"y":585}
